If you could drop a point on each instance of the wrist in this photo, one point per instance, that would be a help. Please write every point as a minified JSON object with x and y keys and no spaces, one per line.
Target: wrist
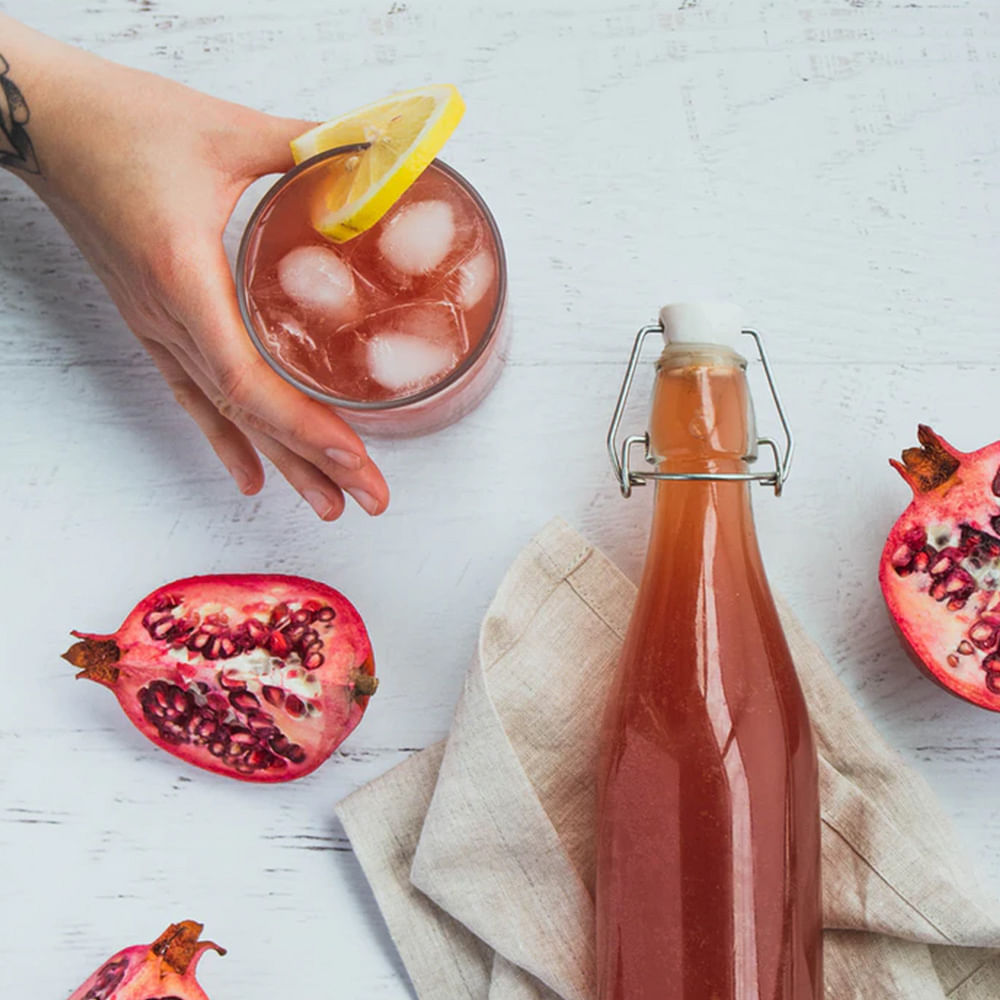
{"x":51,"y":105}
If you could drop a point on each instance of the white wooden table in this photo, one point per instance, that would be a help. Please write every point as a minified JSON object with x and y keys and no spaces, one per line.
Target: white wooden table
{"x":831,"y":164}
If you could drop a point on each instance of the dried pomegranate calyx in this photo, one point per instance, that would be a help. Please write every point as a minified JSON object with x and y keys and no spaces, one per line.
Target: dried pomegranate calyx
{"x":95,"y":658}
{"x":929,"y":466}
{"x":178,"y":945}
{"x":365,"y":684}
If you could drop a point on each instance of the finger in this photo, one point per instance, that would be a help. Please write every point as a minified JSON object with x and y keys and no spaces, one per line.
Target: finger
{"x":365,"y":485}
{"x":232,"y":446}
{"x":250,"y":391}
{"x":268,"y":138}
{"x":324,"y":496}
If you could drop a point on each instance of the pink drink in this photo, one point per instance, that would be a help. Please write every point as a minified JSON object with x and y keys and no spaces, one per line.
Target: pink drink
{"x":400,"y":326}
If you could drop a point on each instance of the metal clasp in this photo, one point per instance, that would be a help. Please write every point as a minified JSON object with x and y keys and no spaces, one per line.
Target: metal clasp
{"x":620,"y":455}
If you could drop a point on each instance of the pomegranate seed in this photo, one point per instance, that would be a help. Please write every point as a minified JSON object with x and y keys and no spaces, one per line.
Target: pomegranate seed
{"x":206,"y":729}
{"x":295,"y":753}
{"x":217,"y":748}
{"x":303,"y":616}
{"x":993,"y":681}
{"x":921,"y":561}
{"x":983,"y":634}
{"x":231,"y":682}
{"x":227,"y":647}
{"x":952,"y":660}
{"x":965,"y":647}
{"x":244,"y":701}
{"x":257,"y":629}
{"x":173,"y":733}
{"x":237,"y":734}
{"x":164,"y":601}
{"x":183,"y":628}
{"x":313,"y":661}
{"x":915,"y":539}
{"x":277,"y":644}
{"x":941,"y":565}
{"x":261,"y":724}
{"x":257,"y":758}
{"x":273,"y":695}
{"x":294,"y":633}
{"x":326,"y":615}
{"x":242,"y":638}
{"x":279,"y":614}
{"x":199,"y":640}
{"x":294,"y":706}
{"x":902,"y":557}
{"x":160,"y":627}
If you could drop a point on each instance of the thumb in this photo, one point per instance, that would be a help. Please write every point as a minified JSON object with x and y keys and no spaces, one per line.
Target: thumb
{"x":268,"y":141}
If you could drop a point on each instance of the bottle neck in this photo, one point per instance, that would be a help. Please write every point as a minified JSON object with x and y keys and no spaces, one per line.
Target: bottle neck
{"x":702,"y":418}
{"x":702,"y":422}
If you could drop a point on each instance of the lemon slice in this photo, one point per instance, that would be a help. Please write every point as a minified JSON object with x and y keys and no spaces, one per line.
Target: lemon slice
{"x":404,"y":132}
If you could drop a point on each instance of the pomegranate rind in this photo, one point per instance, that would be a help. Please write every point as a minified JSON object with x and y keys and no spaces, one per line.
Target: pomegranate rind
{"x":164,"y":968}
{"x":944,"y":595}
{"x":322,"y":689}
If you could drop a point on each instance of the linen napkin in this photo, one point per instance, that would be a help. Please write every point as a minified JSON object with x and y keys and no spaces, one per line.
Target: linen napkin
{"x":479,"y":849}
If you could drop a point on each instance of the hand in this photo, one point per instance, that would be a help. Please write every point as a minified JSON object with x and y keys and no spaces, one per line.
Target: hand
{"x":144,"y":174}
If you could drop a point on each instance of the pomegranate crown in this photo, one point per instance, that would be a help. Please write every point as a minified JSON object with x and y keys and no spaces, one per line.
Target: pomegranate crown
{"x":929,"y":466}
{"x":178,"y":945}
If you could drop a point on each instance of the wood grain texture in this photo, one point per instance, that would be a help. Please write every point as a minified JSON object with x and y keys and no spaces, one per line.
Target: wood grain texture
{"x":832,"y":164}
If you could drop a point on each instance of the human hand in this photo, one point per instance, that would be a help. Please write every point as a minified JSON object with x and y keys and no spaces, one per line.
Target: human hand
{"x":144,"y":173}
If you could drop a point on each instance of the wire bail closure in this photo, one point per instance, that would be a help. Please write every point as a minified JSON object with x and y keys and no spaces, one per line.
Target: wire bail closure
{"x":621,"y":454}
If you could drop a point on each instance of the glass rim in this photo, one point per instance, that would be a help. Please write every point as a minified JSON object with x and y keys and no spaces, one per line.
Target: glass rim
{"x":369,"y":406}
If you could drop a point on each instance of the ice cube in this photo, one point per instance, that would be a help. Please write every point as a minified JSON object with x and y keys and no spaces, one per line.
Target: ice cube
{"x":317,"y":279}
{"x":409,"y":347}
{"x":474,"y":278}
{"x":418,"y":238}
{"x":285,"y":330}
{"x":288,"y":343}
{"x":400,"y":361}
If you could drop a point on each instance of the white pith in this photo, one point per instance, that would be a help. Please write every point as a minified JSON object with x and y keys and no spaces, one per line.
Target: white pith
{"x":257,"y":667}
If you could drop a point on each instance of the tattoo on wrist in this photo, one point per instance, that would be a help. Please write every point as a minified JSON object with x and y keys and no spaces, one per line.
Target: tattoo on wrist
{"x":16,"y":150}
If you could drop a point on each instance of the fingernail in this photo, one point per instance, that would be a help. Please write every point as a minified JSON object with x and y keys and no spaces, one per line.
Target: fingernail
{"x":242,"y":478}
{"x":319,"y":501}
{"x":348,"y":459}
{"x":366,"y":500}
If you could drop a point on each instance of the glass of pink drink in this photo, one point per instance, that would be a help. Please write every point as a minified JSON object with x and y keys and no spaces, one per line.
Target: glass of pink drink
{"x":399,"y":328}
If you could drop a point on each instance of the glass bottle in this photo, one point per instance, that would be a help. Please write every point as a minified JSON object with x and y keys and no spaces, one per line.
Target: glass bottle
{"x":708,"y":843}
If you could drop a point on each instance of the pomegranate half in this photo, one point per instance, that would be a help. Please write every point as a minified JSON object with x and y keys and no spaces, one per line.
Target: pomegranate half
{"x":163,"y":970}
{"x":257,"y":677}
{"x":940,"y":568}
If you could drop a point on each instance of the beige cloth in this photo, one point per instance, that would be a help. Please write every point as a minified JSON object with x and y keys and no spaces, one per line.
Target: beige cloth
{"x":479,"y":850}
